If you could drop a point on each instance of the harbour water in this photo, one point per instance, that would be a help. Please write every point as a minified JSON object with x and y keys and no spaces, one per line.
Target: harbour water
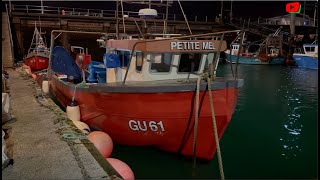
{"x":273,"y":133}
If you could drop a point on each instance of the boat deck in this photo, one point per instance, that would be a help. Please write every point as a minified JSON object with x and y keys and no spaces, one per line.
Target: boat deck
{"x":159,"y":86}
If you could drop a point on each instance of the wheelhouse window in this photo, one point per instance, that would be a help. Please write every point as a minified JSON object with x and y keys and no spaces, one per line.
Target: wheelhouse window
{"x":124,"y":58}
{"x":160,"y":62}
{"x":189,"y":62}
{"x":139,"y":61}
{"x":210,"y":59}
{"x":307,"y":49}
{"x":312,"y":49}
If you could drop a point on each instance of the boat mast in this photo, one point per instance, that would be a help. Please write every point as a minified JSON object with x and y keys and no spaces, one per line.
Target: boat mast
{"x":314,"y":15}
{"x":40,"y":25}
{"x":166,"y":19}
{"x":37,"y":36}
{"x":304,"y":10}
{"x":124,"y":27}
{"x":185,"y":18}
{"x":34,"y":32}
{"x":221,"y":11}
{"x":117,"y":15}
{"x":231,"y":12}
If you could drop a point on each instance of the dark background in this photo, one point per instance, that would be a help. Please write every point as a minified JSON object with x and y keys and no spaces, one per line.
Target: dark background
{"x":244,"y":9}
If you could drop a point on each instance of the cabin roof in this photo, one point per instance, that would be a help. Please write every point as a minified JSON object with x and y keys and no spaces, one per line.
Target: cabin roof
{"x":310,"y":45}
{"x":168,"y":45}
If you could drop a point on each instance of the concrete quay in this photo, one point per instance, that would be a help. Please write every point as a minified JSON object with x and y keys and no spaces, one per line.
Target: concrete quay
{"x":43,"y":142}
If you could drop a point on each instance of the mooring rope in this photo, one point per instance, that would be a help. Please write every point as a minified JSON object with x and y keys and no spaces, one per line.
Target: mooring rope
{"x":215,"y":129}
{"x":196,"y":124}
{"x":206,"y":76}
{"x":75,"y":88}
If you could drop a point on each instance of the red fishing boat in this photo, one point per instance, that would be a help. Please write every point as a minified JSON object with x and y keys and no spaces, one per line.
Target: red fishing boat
{"x":38,"y":53}
{"x":150,"y":95}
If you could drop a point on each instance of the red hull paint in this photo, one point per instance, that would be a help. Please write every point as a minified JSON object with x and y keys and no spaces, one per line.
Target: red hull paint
{"x":111,"y":113}
{"x":37,"y":62}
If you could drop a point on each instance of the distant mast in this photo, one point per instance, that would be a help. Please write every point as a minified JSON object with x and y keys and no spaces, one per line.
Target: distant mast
{"x":221,"y":13}
{"x":231,"y":11}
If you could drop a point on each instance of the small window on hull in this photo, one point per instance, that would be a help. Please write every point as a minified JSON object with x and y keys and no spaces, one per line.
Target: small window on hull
{"x":189,"y":62}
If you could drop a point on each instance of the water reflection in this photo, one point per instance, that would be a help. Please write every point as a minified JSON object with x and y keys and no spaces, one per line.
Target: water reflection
{"x":300,"y":85}
{"x":273,"y":127}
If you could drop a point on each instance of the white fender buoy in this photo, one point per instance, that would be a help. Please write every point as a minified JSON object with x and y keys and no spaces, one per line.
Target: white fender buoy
{"x":73,"y":111}
{"x":122,"y":168}
{"x":82,"y":126}
{"x":4,"y":156}
{"x":5,"y":102}
{"x":45,"y":86}
{"x":102,"y":141}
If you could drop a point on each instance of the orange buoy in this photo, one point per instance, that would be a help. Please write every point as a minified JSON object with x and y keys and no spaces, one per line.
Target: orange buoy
{"x":289,"y":62}
{"x":122,"y":168}
{"x":102,"y":141}
{"x":34,"y":76}
{"x":28,"y":70}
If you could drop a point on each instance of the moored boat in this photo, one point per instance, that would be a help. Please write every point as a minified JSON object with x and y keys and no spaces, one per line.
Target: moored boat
{"x":307,"y":57}
{"x":150,"y":100}
{"x":265,"y":53}
{"x":38,"y":53}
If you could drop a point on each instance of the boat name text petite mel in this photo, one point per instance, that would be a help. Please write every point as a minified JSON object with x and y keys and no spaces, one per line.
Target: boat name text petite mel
{"x":187,"y":45}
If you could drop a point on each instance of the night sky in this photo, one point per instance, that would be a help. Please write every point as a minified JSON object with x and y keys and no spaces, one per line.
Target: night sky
{"x":244,"y":9}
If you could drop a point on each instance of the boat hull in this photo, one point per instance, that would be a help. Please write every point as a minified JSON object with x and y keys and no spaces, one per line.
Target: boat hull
{"x":253,"y":60}
{"x":306,"y":61}
{"x":163,"y":120}
{"x":37,"y":62}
